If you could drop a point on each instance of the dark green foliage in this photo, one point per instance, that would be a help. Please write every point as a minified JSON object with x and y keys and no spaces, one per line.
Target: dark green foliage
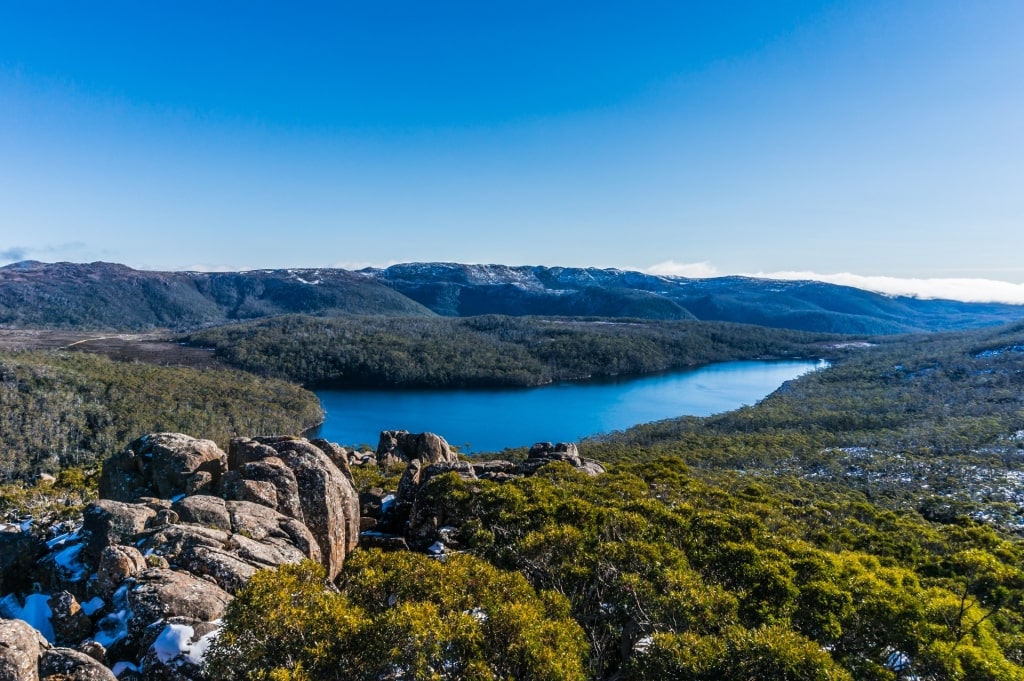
{"x":487,"y":351}
{"x":59,"y":409}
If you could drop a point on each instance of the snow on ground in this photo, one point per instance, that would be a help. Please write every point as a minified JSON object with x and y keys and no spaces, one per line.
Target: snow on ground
{"x":36,"y":611}
{"x":114,"y":626}
{"x":176,"y":639}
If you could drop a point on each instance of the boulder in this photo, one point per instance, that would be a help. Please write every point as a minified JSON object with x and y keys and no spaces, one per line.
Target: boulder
{"x":240,"y":484}
{"x":70,"y":623}
{"x":485,"y":470}
{"x":204,"y":510}
{"x":163,"y":465}
{"x":116,"y":564}
{"x":243,"y":450}
{"x":233,"y":486}
{"x":263,"y":524}
{"x":330,"y":504}
{"x":226,"y":569}
{"x":401,"y":446}
{"x":173,"y":540}
{"x":543,"y":453}
{"x":338,"y":455}
{"x":21,"y":646}
{"x":175,"y":650}
{"x":71,"y":665}
{"x":161,"y":594}
{"x":109,"y":523}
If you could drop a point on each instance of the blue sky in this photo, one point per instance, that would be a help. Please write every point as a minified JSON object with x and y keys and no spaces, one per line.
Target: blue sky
{"x":871,"y":142}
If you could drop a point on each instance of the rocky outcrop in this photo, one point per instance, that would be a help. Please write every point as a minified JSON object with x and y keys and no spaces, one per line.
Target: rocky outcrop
{"x":401,"y":446}
{"x":420,"y":517}
{"x":182,"y":527}
{"x":329,"y":502}
{"x":543,"y":453}
{"x":163,"y":465}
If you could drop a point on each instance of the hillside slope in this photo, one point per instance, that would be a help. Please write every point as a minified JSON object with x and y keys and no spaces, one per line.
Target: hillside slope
{"x":114,"y":297}
{"x":464,"y":290}
{"x":110,"y":296}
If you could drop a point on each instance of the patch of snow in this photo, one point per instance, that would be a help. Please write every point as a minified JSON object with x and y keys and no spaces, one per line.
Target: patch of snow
{"x":985,"y":354}
{"x":26,"y":524}
{"x":643,"y":645}
{"x":114,"y":626}
{"x":36,"y":611}
{"x":436,"y":549}
{"x":92,"y":605}
{"x":63,"y":539}
{"x":67,"y":559}
{"x":174,"y":640}
{"x":122,"y":667}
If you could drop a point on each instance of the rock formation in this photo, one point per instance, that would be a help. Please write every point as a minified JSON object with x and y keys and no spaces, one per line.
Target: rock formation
{"x":180,"y":527}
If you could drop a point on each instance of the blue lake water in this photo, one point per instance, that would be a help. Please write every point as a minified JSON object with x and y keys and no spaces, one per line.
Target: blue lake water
{"x":488,"y":420}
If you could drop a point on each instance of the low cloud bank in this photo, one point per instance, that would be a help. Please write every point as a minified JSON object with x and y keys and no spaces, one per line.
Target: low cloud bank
{"x":962,"y":289}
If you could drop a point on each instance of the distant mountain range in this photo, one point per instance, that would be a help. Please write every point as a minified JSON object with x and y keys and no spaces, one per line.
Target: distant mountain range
{"x":115,"y":297}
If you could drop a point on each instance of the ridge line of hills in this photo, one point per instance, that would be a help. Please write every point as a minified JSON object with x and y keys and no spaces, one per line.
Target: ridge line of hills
{"x":111,"y":296}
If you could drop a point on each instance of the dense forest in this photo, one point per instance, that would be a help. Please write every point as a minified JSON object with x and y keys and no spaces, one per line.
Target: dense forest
{"x":61,"y":408}
{"x":932,"y":422}
{"x":490,"y":350}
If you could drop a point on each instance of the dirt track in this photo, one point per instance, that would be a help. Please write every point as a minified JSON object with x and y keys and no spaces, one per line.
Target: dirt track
{"x":152,"y":348}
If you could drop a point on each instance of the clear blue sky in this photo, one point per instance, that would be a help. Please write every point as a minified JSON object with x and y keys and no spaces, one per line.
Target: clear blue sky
{"x":876,"y":138}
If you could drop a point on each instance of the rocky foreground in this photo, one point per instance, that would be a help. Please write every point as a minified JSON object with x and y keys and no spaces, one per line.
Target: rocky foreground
{"x":137,"y":589}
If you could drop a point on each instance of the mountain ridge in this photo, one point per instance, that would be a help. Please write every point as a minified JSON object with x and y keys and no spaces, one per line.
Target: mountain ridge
{"x":103,"y":295}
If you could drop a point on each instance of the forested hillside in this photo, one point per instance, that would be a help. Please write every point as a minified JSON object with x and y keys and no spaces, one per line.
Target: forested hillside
{"x":934,"y":422}
{"x":61,"y":408}
{"x":490,"y":350}
{"x":107,"y":296}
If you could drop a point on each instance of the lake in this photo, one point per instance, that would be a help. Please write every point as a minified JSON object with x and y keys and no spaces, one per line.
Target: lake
{"x":489,"y":420}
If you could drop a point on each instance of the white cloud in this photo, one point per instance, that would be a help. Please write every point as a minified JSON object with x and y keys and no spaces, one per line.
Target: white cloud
{"x":948,"y":288}
{"x":694,"y":270}
{"x":963,"y":289}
